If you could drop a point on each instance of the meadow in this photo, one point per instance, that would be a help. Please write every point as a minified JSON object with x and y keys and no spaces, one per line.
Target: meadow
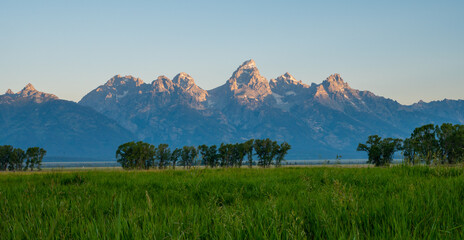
{"x":278,"y":203}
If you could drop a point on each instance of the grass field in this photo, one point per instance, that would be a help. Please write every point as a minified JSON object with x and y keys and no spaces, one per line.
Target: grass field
{"x":287,"y":203}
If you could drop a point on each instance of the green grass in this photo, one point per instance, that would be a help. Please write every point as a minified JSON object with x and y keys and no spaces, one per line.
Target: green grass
{"x":286,"y":203}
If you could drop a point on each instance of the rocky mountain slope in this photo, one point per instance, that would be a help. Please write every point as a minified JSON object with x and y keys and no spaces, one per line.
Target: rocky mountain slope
{"x":319,"y":120}
{"x":32,"y":118}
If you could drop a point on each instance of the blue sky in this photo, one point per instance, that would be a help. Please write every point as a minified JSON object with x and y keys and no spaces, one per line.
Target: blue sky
{"x":404,"y":50}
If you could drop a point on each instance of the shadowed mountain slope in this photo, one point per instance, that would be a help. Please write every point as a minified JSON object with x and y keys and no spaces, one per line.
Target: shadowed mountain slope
{"x":32,"y":118}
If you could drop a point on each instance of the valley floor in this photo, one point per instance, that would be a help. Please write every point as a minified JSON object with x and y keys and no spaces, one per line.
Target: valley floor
{"x":290,"y":202}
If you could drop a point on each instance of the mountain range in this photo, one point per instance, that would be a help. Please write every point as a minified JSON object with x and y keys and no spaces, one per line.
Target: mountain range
{"x":318,"y":120}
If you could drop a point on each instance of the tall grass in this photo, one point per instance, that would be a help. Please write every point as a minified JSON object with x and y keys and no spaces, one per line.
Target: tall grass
{"x":286,"y":203}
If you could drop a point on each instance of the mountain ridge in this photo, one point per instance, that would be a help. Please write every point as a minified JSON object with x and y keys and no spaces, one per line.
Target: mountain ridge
{"x":325,"y":115}
{"x":64,"y":128}
{"x":318,"y":120}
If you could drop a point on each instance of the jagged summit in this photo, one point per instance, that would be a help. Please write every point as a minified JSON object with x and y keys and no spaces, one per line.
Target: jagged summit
{"x":335,"y":83}
{"x":248,"y":64}
{"x":183,"y":80}
{"x":287,"y":85}
{"x":28,"y":93}
{"x":29,"y":87}
{"x":247,"y":85}
{"x":162,"y":84}
{"x":162,"y":80}
{"x":287,"y":78}
{"x":187,"y":85}
{"x":247,"y":74}
{"x":119,"y":80}
{"x":335,"y":78}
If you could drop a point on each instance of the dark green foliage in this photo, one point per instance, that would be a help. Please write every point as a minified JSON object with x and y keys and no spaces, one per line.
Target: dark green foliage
{"x":266,"y":150}
{"x":282,"y":151}
{"x":17,"y":160}
{"x":225,"y":154}
{"x":175,"y":157}
{"x":231,"y":155}
{"x":34,"y":157}
{"x":209,"y":155}
{"x":136,"y":155}
{"x":424,"y":142}
{"x":238,"y":153}
{"x":285,"y":203}
{"x":213,"y":156}
{"x":203,"y":151}
{"x":409,"y":152}
{"x":6,"y":153}
{"x":451,"y":143}
{"x":428,"y":144}
{"x":248,"y":148}
{"x":389,"y":146}
{"x":141,"y":155}
{"x":380,"y":151}
{"x":439,"y":144}
{"x":188,"y":156}
{"x":13,"y":158}
{"x":163,"y":155}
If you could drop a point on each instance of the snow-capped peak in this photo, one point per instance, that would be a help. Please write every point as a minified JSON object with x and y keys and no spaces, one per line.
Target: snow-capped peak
{"x":288,"y":76}
{"x":248,"y":64}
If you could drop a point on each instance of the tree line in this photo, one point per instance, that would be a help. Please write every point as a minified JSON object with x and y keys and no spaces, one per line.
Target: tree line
{"x":16,"y":159}
{"x":141,"y":155}
{"x":427,"y":144}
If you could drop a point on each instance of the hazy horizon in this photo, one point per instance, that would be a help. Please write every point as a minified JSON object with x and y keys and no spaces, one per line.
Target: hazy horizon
{"x":404,"y":51}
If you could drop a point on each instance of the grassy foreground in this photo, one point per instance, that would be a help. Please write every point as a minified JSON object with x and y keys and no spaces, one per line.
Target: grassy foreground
{"x":296,"y":203}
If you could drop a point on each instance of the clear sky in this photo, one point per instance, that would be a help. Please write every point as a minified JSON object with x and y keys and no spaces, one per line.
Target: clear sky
{"x":404,"y":50}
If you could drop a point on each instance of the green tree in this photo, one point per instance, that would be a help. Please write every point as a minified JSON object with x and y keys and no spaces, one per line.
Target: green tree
{"x":266,"y":150}
{"x":248,"y":148}
{"x":373,"y":149}
{"x":224,"y":154}
{"x":380,"y":152}
{"x":163,"y":155}
{"x":175,"y":157}
{"x":389,"y":146}
{"x":282,"y":151}
{"x":425,"y":143}
{"x":17,"y":160}
{"x":204,"y":151}
{"x":188,"y":156}
{"x":193,"y":156}
{"x":239,"y":153}
{"x":34,"y":157}
{"x":451,"y":142}
{"x":213,"y":156}
{"x":409,"y":151}
{"x":208,"y":154}
{"x":184,"y":157}
{"x":137,"y":155}
{"x":5,"y":154}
